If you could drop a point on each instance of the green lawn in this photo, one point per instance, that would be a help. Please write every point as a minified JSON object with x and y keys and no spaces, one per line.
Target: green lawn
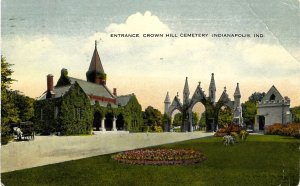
{"x":260,"y":160}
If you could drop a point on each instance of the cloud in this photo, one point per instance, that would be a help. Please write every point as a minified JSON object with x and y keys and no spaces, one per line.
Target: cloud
{"x":139,"y":23}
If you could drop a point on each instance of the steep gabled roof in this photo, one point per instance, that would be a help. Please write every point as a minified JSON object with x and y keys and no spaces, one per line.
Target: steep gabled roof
{"x":123,"y":100}
{"x":92,"y":88}
{"x":59,"y":91}
{"x":273,"y":91}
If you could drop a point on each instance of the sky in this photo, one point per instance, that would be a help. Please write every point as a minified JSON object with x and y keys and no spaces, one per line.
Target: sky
{"x":42,"y":37}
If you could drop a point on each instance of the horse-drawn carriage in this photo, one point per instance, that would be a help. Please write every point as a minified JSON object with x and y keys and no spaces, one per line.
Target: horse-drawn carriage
{"x":23,"y":130}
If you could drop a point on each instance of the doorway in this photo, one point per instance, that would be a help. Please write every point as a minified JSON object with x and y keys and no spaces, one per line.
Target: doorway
{"x":261,"y":122}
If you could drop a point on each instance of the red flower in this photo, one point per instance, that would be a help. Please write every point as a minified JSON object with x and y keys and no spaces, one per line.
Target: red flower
{"x":159,"y":156}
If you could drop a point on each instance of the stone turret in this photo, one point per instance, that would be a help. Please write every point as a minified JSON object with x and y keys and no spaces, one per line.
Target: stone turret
{"x":212,"y":89}
{"x":167,"y":103}
{"x":237,"y":96}
{"x":186,"y":92}
{"x":237,"y":108}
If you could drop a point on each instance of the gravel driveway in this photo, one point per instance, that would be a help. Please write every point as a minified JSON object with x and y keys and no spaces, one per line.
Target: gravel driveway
{"x":53,"y":149}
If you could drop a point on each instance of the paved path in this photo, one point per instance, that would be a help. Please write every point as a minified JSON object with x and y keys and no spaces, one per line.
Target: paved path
{"x":53,"y":149}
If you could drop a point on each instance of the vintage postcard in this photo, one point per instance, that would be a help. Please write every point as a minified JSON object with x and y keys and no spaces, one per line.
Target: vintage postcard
{"x":150,"y":92}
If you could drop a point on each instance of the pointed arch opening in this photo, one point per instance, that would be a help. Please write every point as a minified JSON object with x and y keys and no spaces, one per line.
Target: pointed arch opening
{"x":198,"y":110}
{"x":272,"y":97}
{"x":176,"y":120}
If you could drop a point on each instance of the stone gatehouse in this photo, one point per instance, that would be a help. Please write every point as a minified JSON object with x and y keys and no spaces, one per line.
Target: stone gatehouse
{"x":76,"y":106}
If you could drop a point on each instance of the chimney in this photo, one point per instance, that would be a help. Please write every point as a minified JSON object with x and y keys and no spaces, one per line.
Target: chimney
{"x":49,"y":82}
{"x":50,"y":92}
{"x":115,"y":91}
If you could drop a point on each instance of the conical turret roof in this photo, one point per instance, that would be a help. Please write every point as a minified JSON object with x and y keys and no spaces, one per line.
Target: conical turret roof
{"x":167,"y":99}
{"x":96,"y":65}
{"x":212,"y":85}
{"x":186,"y":87}
{"x":237,"y":91}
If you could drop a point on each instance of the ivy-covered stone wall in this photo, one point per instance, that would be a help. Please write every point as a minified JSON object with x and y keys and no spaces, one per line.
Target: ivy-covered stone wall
{"x":133,"y":115}
{"x":76,"y":113}
{"x":69,"y":115}
{"x":45,"y":120}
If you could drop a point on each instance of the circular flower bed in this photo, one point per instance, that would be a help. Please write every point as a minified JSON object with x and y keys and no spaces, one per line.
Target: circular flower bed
{"x":160,"y":157}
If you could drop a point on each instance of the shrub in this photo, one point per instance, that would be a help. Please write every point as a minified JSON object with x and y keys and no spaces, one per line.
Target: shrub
{"x":158,"y":128}
{"x":228,"y":129}
{"x":6,"y":134}
{"x":243,"y":135}
{"x":177,"y":130}
{"x":220,"y":134}
{"x":275,"y":129}
{"x":292,"y":129}
{"x":234,"y":128}
{"x":234,"y":135}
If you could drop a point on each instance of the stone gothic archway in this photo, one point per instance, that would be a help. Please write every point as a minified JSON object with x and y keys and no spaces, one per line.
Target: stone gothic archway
{"x":211,"y":106}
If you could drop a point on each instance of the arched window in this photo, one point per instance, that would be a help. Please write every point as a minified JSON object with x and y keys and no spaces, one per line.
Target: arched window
{"x":272,"y":97}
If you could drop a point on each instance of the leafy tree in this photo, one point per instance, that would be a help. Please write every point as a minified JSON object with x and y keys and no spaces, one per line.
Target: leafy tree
{"x":152,"y":117}
{"x":178,"y":119}
{"x":24,"y":105}
{"x":202,"y":121}
{"x":249,"y":112}
{"x":15,"y":106}
{"x":6,"y":73}
{"x":296,"y":114}
{"x":256,"y":96}
{"x":249,"y":107}
{"x":225,"y":116}
{"x":195,"y":118}
{"x":9,"y":113}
